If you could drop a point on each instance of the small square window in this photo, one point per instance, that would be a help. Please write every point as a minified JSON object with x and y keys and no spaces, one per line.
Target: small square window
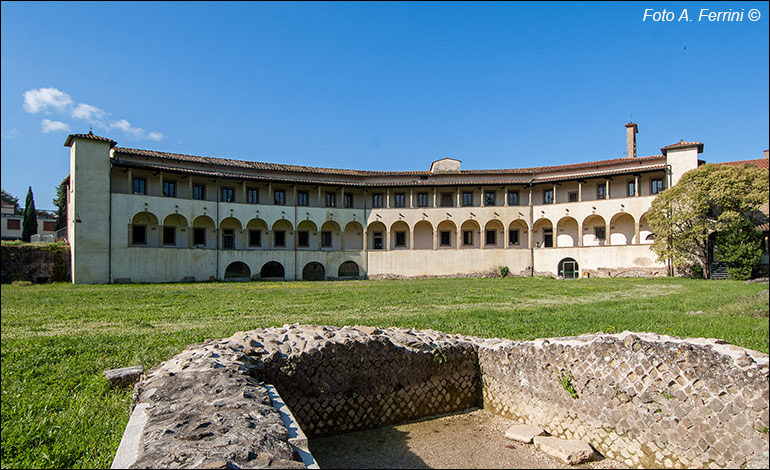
{"x":252,"y":195}
{"x":280,"y":197}
{"x":326,"y":239}
{"x":199,"y":236}
{"x":376,"y":201}
{"x":467,"y":198}
{"x":169,"y":235}
{"x":548,"y":196}
{"x":572,"y":196}
{"x":491,"y":237}
{"x":489,"y":198}
{"x":348,"y":200}
{"x":422,"y":199}
{"x":303,"y":239}
{"x":600,"y":232}
{"x":280,"y":238}
{"x":199,"y":192}
{"x":656,"y":185}
{"x":446,"y":200}
{"x":228,"y":239}
{"x":400,"y":238}
{"x":467,"y":237}
{"x":400,"y":200}
{"x":331,"y":200}
{"x":139,"y":185}
{"x":302,"y":199}
{"x":14,"y":224}
{"x":601,"y":191}
{"x":377,"y":238}
{"x":513,"y":198}
{"x":138,"y":235}
{"x":169,"y":189}
{"x":228,"y":195}
{"x":446,"y":238}
{"x":255,"y":237}
{"x":631,"y":188}
{"x":513,"y":237}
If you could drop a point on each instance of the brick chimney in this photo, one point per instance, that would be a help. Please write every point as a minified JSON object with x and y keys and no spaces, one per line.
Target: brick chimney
{"x":631,"y":130}
{"x":765,"y":153}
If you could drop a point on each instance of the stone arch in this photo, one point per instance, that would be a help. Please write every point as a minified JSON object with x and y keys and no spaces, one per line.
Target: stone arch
{"x":272,"y":270}
{"x":232,"y":234}
{"x":313,"y":271}
{"x":143,"y":229}
{"x":399,"y":227}
{"x":423,"y":235}
{"x":283,"y":233}
{"x":542,"y":231}
{"x":237,"y":271}
{"x":591,"y":236}
{"x":204,"y":232}
{"x":520,"y":239}
{"x":256,"y":234}
{"x":377,"y":236}
{"x":353,"y":238}
{"x":567,"y":232}
{"x":474,"y":228}
{"x":646,"y":237}
{"x":174,"y":232}
{"x":622,"y":229}
{"x":307,"y":228}
{"x":348,"y":269}
{"x":568,"y":268}
{"x":499,"y":237}
{"x":446,"y":226}
{"x":334,"y":237}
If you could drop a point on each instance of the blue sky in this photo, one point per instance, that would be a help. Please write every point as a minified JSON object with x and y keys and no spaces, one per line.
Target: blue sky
{"x":388,"y":86}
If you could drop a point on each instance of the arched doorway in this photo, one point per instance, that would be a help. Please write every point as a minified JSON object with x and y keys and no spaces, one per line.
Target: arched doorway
{"x":569,"y":269}
{"x":313,"y":271}
{"x":237,"y":271}
{"x":348,"y":269}
{"x":272,"y":270}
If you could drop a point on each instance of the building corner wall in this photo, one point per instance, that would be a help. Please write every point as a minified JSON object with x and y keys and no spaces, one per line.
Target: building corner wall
{"x":680,"y":162}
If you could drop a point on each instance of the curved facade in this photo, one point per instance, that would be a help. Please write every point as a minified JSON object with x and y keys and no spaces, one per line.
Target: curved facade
{"x":161,"y":217}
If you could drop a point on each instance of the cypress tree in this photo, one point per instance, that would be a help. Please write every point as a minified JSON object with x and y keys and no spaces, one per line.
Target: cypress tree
{"x":61,"y":206}
{"x":29,"y":224}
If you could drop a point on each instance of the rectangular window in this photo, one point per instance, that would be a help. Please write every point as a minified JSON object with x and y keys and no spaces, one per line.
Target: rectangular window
{"x":303,"y":238}
{"x":445,"y":238}
{"x":513,"y":237}
{"x":489,"y":198}
{"x":280,"y":197}
{"x":255,"y":237}
{"x":422,"y":199}
{"x":199,"y":236}
{"x":631,"y":188}
{"x":376,"y":201}
{"x":400,"y":238}
{"x":331,"y":199}
{"x":169,"y":235}
{"x":14,"y":224}
{"x":138,"y":235}
{"x":326,"y":239}
{"x":302,"y":199}
{"x":513,"y":198}
{"x":280,"y":238}
{"x":199,"y":192}
{"x":467,"y":237}
{"x":228,"y":239}
{"x":228,"y":195}
{"x":400,"y":200}
{"x":348,"y":200}
{"x":169,"y":188}
{"x":252,"y":195}
{"x":656,"y":185}
{"x":491,"y":237}
{"x":599,"y":232}
{"x":139,"y":185}
{"x":467,"y":198}
{"x":601,"y":191}
{"x":572,"y":196}
{"x":377,"y":240}
{"x":446,"y":200}
{"x":548,"y":196}
{"x":548,"y":237}
{"x":49,"y":226}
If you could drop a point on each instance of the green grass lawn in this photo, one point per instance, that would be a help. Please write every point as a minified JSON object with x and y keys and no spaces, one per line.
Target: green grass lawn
{"x":58,"y":410}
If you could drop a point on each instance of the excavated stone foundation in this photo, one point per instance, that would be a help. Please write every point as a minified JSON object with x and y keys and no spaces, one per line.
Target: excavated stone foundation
{"x":643,"y":399}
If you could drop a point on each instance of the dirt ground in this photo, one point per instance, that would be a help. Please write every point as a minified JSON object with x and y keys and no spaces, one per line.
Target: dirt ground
{"x":475,"y":439}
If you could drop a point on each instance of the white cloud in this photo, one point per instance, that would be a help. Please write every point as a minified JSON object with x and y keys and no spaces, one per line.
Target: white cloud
{"x":155,"y":136}
{"x":54,"y":126}
{"x":12,"y":134}
{"x":137,"y":132}
{"x":43,"y":99}
{"x":88,"y":112}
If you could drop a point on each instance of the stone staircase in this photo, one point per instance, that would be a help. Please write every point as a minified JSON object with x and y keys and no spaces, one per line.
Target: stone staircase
{"x":719,"y":271}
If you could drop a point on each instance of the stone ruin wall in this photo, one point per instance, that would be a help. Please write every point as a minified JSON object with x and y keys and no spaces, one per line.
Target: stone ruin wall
{"x":643,"y":399}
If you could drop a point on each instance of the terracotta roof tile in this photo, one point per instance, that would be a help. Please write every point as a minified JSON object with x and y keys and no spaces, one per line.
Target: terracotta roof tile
{"x":683,"y":144}
{"x":759,"y":163}
{"x":89,"y":136}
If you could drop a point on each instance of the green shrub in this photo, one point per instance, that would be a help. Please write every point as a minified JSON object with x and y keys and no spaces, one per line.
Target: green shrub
{"x":504,"y":271}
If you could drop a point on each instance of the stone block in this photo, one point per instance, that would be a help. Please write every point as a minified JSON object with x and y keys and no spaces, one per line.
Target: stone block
{"x":523,"y":433}
{"x":571,"y":452}
{"x":123,"y":377}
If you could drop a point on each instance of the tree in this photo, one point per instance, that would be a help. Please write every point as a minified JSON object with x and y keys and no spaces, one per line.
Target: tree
{"x":61,"y":204}
{"x":708,"y":199}
{"x":29,"y":223}
{"x":741,"y":247}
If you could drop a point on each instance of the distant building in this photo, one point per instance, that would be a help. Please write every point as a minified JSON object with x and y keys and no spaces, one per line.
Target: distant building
{"x":155,"y":216}
{"x":12,"y":219}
